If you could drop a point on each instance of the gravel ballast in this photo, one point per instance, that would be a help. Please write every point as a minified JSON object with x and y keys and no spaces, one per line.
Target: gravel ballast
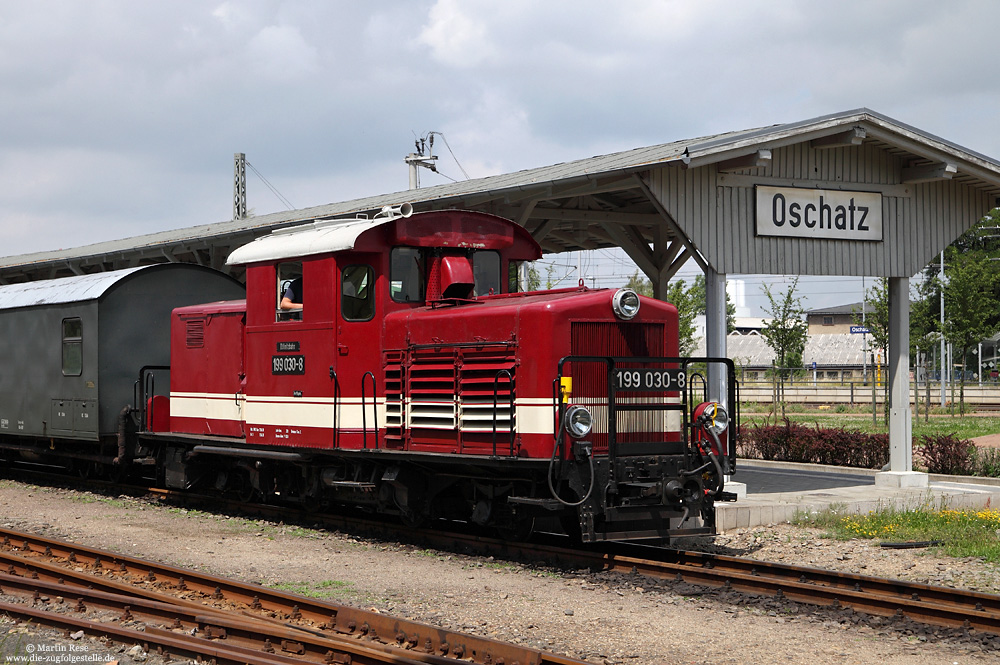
{"x":601,"y":618}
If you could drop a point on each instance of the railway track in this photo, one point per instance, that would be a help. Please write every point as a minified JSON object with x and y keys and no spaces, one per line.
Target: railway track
{"x":922,"y":603}
{"x":186,"y":612}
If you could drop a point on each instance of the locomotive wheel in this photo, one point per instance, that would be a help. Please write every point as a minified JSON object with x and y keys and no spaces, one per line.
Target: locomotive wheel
{"x":86,"y":470}
{"x":413,"y":519}
{"x":518,"y":530}
{"x":242,"y":487}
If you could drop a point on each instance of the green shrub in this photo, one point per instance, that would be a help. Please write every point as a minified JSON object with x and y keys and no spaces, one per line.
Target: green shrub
{"x":986,"y":462}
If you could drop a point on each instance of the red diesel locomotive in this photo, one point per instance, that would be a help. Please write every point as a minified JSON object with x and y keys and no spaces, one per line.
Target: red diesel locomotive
{"x":387,"y":364}
{"x":413,"y":379}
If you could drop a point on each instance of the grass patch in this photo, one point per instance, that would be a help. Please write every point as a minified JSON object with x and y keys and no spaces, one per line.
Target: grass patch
{"x":962,"y":533}
{"x":91,"y":498}
{"x":321,"y":590}
{"x":962,"y":428}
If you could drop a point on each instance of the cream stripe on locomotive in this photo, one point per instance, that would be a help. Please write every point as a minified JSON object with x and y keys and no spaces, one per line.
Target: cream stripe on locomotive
{"x":210,"y":406}
{"x":532,"y":415}
{"x":631,"y":421}
{"x":346,"y":413}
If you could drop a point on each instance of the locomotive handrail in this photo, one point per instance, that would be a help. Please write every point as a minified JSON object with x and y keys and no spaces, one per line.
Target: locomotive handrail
{"x":510,"y":428}
{"x":697,"y":376}
{"x":686,"y":391}
{"x":336,"y":403}
{"x":364,"y":401}
{"x":462,"y":345}
{"x":139,"y":399}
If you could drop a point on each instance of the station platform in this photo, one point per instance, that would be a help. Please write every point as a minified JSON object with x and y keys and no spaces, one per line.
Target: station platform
{"x":781,"y":491}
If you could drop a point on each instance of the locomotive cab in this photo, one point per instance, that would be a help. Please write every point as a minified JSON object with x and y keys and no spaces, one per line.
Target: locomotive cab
{"x":314,"y":375}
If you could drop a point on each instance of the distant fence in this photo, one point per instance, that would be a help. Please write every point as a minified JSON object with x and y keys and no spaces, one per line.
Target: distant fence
{"x":806,"y":391}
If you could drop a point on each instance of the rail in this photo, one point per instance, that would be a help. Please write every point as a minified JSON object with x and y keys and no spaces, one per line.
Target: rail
{"x":924,"y":603}
{"x":244,"y":623}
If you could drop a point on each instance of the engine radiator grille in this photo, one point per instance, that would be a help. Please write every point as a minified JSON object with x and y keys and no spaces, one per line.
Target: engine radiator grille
{"x":590,"y":380}
{"x":445,"y":396}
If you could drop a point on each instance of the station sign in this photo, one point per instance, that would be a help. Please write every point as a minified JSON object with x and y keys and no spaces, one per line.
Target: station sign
{"x":832,"y":214}
{"x":859,"y":330}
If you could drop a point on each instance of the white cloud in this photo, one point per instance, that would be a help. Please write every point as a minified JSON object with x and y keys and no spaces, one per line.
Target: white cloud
{"x":127,"y":114}
{"x":281,"y":54}
{"x":456,"y":36}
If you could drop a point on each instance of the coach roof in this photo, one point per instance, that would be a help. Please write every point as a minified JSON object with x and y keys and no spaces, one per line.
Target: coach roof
{"x":79,"y":288}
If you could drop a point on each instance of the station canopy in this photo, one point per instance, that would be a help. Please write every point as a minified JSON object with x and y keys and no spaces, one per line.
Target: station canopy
{"x":663,"y":204}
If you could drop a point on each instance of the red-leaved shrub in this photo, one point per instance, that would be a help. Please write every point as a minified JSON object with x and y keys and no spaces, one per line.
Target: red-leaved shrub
{"x":794,"y":442}
{"x":946,"y":453}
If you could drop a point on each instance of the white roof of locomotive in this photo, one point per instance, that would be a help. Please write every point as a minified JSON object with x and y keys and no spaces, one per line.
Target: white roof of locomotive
{"x":320,"y":237}
{"x":79,"y":288}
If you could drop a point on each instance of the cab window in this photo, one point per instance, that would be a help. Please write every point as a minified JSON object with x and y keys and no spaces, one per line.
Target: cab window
{"x":72,"y":347}
{"x":406,"y":275}
{"x":289,"y":292}
{"x":357,"y":293}
{"x":486,"y":271}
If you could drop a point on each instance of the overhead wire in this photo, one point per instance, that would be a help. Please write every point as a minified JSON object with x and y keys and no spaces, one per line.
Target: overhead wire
{"x":452,"y":153}
{"x":274,"y":190}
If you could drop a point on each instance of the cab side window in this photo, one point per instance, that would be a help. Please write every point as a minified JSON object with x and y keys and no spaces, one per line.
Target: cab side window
{"x":289,"y":291}
{"x":486,"y":271}
{"x":357,"y":293}
{"x":72,"y":347}
{"x":406,"y":275}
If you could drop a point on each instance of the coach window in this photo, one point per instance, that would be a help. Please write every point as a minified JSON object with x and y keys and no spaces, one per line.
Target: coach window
{"x":289,"y":298}
{"x":72,"y":347}
{"x":357,"y":301}
{"x":486,"y":271}
{"x":406,"y":275}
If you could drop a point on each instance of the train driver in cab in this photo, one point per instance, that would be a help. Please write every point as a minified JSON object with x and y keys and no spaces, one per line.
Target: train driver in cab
{"x":291,"y":300}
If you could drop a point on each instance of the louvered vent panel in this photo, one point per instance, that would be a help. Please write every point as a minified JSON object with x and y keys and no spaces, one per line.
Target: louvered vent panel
{"x":195,"y":333}
{"x":480,"y":376}
{"x":431,"y":392}
{"x":394,"y":404}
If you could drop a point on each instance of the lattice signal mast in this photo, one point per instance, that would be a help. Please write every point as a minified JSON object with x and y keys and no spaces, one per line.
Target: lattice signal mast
{"x":239,"y":185}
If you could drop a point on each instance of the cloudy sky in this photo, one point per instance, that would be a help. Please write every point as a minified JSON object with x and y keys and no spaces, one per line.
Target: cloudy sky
{"x":121,"y":117}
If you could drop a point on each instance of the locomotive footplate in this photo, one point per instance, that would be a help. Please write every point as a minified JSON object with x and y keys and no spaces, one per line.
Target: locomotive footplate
{"x":640,"y":524}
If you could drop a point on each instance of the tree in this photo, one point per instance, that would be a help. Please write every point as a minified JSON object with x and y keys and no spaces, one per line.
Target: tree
{"x":876,"y":319}
{"x":700,"y":294}
{"x":970,"y":289}
{"x":681,"y":296}
{"x":786,"y":332}
{"x":534,"y":280}
{"x":690,"y":301}
{"x":639,"y":284}
{"x":971,"y":305}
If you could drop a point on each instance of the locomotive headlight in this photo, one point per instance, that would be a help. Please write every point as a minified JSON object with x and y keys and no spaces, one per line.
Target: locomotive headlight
{"x":717,"y":419}
{"x":578,"y":421}
{"x":625,"y":304}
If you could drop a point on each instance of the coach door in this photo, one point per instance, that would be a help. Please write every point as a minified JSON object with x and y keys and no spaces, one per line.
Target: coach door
{"x":357,"y":380}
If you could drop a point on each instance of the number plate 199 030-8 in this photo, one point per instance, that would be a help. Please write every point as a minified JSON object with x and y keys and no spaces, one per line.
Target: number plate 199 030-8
{"x":288,"y":365}
{"x":643,"y":379}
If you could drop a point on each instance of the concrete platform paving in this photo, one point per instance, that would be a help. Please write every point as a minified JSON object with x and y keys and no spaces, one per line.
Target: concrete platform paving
{"x":780,"y":491}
